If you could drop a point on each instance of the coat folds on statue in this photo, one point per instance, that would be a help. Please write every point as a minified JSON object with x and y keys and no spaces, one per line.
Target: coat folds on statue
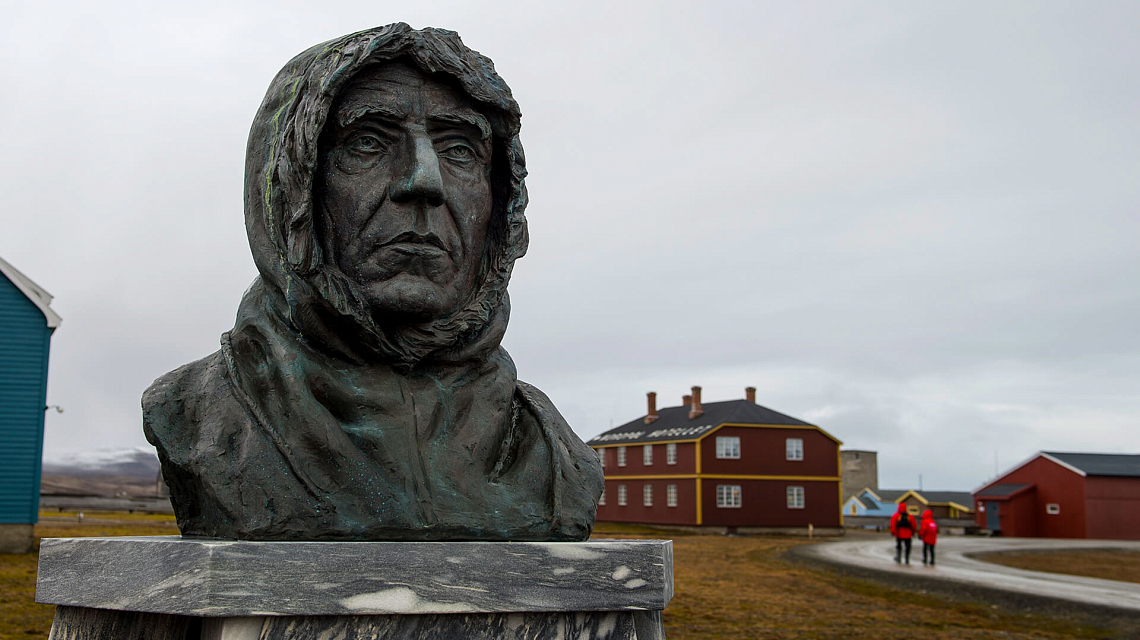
{"x":319,"y":420}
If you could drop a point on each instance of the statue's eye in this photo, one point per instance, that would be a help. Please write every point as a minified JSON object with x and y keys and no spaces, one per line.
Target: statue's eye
{"x":458,"y":152}
{"x":366,"y":143}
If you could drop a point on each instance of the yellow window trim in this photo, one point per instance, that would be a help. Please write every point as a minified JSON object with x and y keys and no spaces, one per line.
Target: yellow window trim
{"x":670,"y":476}
{"x":700,"y":513}
{"x":719,"y":476}
{"x":839,"y":474}
{"x":722,"y":476}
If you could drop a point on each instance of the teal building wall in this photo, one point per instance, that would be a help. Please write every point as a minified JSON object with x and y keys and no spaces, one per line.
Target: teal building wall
{"x":24,"y":342}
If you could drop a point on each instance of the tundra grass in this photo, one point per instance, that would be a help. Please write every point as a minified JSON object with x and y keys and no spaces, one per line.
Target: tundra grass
{"x":732,"y":588}
{"x":102,"y":516}
{"x":1093,"y":563}
{"x":20,"y":616}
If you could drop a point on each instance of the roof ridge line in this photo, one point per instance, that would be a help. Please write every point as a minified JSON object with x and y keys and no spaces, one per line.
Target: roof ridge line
{"x":32,"y":291}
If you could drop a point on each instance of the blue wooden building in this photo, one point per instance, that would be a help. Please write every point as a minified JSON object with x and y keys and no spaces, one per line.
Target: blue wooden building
{"x":874,"y":503}
{"x":26,"y":324}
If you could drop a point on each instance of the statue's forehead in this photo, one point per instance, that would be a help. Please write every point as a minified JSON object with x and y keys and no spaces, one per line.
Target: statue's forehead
{"x":400,"y":86}
{"x":383,"y":75}
{"x":399,"y":91}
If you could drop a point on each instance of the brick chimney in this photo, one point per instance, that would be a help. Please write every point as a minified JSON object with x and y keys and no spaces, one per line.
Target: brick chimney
{"x":651,"y":413}
{"x":686,"y":400}
{"x":696,"y":410}
{"x":750,"y":394}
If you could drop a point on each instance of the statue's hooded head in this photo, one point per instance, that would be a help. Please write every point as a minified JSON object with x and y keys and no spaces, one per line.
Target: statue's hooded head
{"x":385,"y":197}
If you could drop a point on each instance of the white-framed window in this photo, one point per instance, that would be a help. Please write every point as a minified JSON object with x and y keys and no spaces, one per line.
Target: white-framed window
{"x":602,"y":499}
{"x":647,"y":455}
{"x":671,"y":495}
{"x":1052,"y":508}
{"x":671,"y":453}
{"x":728,"y":447}
{"x":621,"y":456}
{"x":794,"y":447}
{"x":728,"y":496}
{"x":795,"y":497}
{"x":621,"y":495}
{"x":602,"y":457}
{"x":647,"y":495}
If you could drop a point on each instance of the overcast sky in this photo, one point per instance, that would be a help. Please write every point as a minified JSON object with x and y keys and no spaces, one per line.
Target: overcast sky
{"x":913,"y":224}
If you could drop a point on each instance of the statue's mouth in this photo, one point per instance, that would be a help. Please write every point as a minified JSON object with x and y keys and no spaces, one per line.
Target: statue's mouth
{"x":413,"y":243}
{"x":415,"y":249}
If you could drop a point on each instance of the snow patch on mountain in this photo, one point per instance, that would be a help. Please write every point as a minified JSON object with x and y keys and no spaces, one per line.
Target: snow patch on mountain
{"x":139,"y":462}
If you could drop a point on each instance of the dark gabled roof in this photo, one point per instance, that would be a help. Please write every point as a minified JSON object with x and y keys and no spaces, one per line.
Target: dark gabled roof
{"x":890,"y":495}
{"x":1003,"y":490}
{"x":1101,"y":464}
{"x":964,"y":498}
{"x":673,"y":423}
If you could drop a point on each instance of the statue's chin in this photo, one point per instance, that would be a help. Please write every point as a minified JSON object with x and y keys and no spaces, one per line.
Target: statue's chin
{"x":410,"y":299}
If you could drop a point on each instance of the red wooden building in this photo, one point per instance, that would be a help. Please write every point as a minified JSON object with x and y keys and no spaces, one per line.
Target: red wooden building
{"x":723,"y":464}
{"x":1064,"y":495}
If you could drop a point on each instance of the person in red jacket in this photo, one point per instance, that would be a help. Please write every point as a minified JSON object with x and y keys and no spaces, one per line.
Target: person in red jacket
{"x":928,"y":533}
{"x":902,"y":528}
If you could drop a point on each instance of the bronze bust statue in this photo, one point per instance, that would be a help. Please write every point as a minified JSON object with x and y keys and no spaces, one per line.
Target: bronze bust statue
{"x":363,"y":393}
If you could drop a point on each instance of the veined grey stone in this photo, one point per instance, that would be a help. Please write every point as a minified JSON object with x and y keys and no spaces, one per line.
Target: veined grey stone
{"x":76,"y":623}
{"x":225,"y":578}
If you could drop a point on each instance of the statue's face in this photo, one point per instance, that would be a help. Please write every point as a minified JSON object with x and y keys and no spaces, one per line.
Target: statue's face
{"x":404,"y":192}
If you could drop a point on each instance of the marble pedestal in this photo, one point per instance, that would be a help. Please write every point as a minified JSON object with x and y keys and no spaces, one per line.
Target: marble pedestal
{"x":171,"y":588}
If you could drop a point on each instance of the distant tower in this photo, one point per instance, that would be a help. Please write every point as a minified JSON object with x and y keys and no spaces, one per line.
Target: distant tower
{"x":860,"y":471}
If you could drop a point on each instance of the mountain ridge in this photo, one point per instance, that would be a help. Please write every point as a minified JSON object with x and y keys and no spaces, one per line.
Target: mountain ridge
{"x":137,"y":462}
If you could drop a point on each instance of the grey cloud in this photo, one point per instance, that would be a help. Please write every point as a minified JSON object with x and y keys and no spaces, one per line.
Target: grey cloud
{"x":916,"y":222}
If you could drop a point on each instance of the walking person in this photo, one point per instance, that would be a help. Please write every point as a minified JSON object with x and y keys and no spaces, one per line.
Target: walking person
{"x":902,"y":528}
{"x":928,"y":533}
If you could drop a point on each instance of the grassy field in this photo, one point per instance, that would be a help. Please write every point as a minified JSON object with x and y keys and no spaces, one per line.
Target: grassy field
{"x":1103,"y":563}
{"x":20,"y":616}
{"x":743,"y":587}
{"x":726,"y":588}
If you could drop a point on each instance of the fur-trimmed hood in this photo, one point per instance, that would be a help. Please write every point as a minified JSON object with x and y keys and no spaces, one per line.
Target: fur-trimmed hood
{"x":281,"y":160}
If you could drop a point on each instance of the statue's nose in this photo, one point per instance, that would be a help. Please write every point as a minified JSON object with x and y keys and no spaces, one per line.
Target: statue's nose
{"x":418,"y":176}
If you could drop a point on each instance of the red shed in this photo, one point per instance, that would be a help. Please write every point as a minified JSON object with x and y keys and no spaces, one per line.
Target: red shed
{"x":724,"y":464}
{"x":1064,"y":495}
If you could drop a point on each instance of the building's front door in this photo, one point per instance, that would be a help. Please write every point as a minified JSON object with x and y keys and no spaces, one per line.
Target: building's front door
{"x":993,"y":516}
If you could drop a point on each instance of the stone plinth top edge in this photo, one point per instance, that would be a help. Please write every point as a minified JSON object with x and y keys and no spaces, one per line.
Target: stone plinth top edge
{"x":212,"y":577}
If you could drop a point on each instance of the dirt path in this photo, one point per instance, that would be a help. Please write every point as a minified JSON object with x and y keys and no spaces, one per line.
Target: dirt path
{"x":957,"y":564}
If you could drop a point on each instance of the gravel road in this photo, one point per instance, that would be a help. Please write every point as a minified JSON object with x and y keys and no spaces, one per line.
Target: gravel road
{"x":956,"y":564}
